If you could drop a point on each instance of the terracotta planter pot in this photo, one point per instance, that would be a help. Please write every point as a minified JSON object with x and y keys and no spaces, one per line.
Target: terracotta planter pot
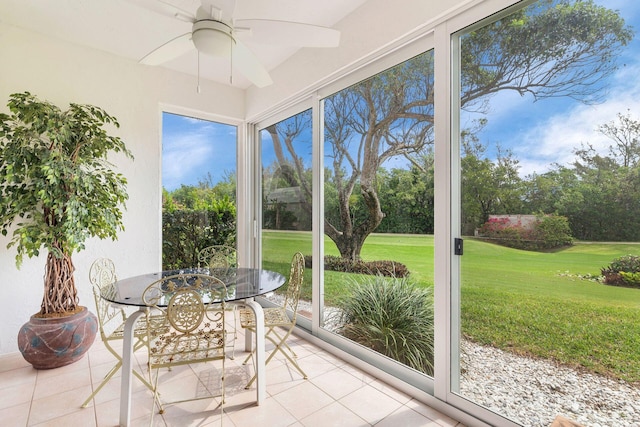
{"x":49,"y":343}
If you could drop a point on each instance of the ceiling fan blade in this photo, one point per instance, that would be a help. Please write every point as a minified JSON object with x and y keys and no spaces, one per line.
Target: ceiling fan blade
{"x":166,"y":8}
{"x":171,"y":49}
{"x":287,"y":33}
{"x":249,"y":66}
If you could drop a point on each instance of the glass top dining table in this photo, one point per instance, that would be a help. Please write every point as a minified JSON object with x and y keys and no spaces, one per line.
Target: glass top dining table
{"x":243,"y":284}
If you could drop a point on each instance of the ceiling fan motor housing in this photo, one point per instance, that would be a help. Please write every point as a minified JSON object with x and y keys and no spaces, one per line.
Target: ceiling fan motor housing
{"x":212,"y":37}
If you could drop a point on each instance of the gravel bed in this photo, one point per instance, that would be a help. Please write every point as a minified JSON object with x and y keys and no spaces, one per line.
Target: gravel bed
{"x":533,"y":392}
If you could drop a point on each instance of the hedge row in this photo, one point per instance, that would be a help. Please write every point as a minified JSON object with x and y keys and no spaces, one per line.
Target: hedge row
{"x":547,"y":232}
{"x":186,"y":231}
{"x":383,"y":268}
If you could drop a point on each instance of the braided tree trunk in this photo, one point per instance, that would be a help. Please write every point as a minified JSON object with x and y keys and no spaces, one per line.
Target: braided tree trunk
{"x":60,"y":293}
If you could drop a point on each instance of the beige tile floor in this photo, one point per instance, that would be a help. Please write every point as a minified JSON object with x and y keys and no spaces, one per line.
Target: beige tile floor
{"x":335,"y":394}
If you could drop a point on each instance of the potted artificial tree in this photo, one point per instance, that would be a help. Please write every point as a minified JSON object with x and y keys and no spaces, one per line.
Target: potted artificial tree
{"x":56,"y":190}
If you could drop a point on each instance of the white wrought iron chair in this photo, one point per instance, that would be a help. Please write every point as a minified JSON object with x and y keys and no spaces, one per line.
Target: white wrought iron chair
{"x":111,"y":319}
{"x":220,"y":258}
{"x":280,"y":321}
{"x":187,"y":327}
{"x":217,"y":256}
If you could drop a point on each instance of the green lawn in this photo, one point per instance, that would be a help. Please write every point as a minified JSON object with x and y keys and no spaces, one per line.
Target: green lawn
{"x":525,"y":302}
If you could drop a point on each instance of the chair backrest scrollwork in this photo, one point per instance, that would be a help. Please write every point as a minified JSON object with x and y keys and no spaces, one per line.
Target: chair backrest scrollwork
{"x":188,"y":322}
{"x":217,"y":256}
{"x":102,"y":275}
{"x":292,"y":296}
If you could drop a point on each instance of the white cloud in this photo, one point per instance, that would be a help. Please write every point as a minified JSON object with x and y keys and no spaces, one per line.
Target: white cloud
{"x":182,"y":155}
{"x":193,"y":148}
{"x":554,"y":139}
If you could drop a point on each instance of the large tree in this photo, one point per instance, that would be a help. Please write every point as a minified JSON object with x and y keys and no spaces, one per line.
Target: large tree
{"x":609,"y":192}
{"x":549,"y":49}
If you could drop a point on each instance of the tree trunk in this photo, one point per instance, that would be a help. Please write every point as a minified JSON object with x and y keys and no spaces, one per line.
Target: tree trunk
{"x":60,"y":293}
{"x":349,"y":246}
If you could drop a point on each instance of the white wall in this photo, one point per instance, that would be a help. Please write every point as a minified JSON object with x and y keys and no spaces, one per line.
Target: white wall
{"x":61,"y":73}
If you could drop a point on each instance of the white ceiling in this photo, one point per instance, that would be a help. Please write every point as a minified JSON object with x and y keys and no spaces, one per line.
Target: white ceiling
{"x":126,"y":29}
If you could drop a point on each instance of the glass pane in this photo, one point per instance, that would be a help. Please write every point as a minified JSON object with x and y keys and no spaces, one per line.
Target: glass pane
{"x":549,"y":155}
{"x":378,"y":213}
{"x":198,"y":188}
{"x":286,"y":199}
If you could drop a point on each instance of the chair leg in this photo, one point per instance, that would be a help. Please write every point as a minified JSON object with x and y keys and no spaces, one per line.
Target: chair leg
{"x":143,"y":379}
{"x":113,"y":371}
{"x":280,"y":345}
{"x":292,"y":360}
{"x":235,"y":333}
{"x":248,"y":357}
{"x":162,"y":406}
{"x":281,"y":340}
{"x":105,"y":380}
{"x":156,"y":400}
{"x":108,"y":377}
{"x":252,"y":351}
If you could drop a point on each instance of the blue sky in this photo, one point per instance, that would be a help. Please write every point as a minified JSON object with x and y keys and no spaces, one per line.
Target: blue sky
{"x":548,"y":131}
{"x":192,"y":148}
{"x":208,"y":147}
{"x":539,"y":133}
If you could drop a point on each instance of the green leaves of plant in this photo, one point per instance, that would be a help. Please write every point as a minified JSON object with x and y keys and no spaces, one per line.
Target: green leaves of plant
{"x":55,"y":178}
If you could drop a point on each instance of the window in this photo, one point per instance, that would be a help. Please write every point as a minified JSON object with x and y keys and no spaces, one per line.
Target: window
{"x":199,"y":188}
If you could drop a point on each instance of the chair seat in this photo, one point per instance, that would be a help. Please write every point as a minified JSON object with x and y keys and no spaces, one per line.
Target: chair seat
{"x":139,"y":330}
{"x":273,"y":316}
{"x":176,"y":350}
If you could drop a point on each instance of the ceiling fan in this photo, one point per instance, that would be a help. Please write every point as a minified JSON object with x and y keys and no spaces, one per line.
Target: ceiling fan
{"x":216,"y":32}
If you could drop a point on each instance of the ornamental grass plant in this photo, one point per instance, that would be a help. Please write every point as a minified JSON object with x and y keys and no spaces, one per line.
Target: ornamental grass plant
{"x":391,"y":316}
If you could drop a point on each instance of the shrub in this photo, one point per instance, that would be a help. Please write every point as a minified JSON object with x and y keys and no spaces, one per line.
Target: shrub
{"x":628,"y":263}
{"x":552,"y":231}
{"x":186,"y":231}
{"x":632,"y":279}
{"x":391,"y":316}
{"x":383,"y":267}
{"x":624,"y":271}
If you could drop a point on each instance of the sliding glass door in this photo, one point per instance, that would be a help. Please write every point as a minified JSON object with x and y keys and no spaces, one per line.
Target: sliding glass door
{"x":547,"y":144}
{"x":468,"y":208}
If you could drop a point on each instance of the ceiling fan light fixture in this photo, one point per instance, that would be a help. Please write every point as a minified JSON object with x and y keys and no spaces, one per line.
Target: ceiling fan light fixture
{"x":212,"y":37}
